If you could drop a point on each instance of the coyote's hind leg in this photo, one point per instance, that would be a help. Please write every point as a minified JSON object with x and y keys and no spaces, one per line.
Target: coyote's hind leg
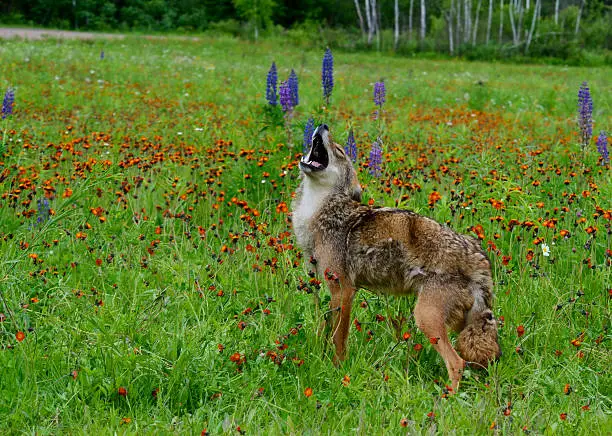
{"x":430,"y":317}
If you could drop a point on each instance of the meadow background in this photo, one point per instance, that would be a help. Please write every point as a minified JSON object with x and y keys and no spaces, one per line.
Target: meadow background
{"x":150,"y":282}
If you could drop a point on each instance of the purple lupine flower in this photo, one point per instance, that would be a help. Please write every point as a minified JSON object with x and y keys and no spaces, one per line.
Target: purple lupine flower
{"x":271,"y":85}
{"x":602,"y":147}
{"x":380,"y":94}
{"x":585,"y":114}
{"x":286,"y":100}
{"x":293,"y":86}
{"x":327,"y":75}
{"x":102,"y":55}
{"x":308,"y":132}
{"x":44,"y":211}
{"x":351,"y":147}
{"x":7,"y":103}
{"x":375,"y":159}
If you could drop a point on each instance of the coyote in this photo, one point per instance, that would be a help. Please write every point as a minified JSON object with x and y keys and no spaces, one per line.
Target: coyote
{"x":396,"y":252}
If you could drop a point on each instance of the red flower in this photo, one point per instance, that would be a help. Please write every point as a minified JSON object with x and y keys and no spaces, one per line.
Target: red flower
{"x":563,"y":416}
{"x":20,"y":336}
{"x":346,"y":380}
{"x":520,"y":331}
{"x":404,"y":422}
{"x":308,"y":392}
{"x":122,"y":391}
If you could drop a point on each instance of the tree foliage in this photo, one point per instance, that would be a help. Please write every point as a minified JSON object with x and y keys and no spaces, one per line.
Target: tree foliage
{"x":454,"y":26}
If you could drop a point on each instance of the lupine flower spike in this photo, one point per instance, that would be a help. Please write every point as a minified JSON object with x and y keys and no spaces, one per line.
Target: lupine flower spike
{"x":602,"y":147}
{"x":7,"y":103}
{"x":380,"y":94}
{"x":327,"y":75}
{"x":102,"y":55}
{"x":308,"y":132}
{"x":271,"y":85}
{"x":44,"y":211}
{"x":293,"y":87}
{"x":585,"y":114}
{"x":375,"y":158}
{"x":286,"y":99}
{"x":351,"y":147}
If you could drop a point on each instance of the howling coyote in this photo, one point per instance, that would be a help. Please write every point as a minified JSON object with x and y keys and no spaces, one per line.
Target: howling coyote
{"x":392,"y":251}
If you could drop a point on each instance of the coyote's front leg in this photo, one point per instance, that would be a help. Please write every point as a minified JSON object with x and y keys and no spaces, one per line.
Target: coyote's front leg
{"x":342,"y":294}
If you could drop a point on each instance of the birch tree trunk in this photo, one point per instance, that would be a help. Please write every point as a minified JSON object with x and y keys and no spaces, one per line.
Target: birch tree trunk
{"x":458,"y":22}
{"x":534,"y":20}
{"x":511,"y":13}
{"x":556,"y":12}
{"x":501,"y":22}
{"x":410,"y":20}
{"x":475,"y":33}
{"x":375,"y":22}
{"x":489,"y":19}
{"x":361,"y":25}
{"x":423,"y":22}
{"x":396,"y":30}
{"x":467,"y":15}
{"x":368,"y":13}
{"x":449,"y":23}
{"x":519,"y":29}
{"x":579,"y":15}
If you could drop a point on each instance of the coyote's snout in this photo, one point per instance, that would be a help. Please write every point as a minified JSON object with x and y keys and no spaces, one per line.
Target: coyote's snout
{"x":392,"y":251}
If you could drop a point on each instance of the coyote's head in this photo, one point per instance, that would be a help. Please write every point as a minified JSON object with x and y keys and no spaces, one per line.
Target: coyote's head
{"x":327,"y":166}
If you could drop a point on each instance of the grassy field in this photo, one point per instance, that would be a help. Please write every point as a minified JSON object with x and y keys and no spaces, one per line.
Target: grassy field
{"x":163,"y":291}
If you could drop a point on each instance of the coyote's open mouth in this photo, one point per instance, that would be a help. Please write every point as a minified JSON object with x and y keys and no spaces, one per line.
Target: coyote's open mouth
{"x":317,"y":159}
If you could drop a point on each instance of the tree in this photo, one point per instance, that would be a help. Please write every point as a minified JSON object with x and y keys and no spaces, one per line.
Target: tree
{"x":423,"y":21}
{"x":361,"y":26}
{"x":579,"y":15}
{"x":256,"y":12}
{"x":489,"y":19}
{"x":536,"y":14}
{"x":396,"y":25}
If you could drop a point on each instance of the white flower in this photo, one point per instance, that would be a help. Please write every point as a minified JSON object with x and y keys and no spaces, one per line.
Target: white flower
{"x":545,"y":250}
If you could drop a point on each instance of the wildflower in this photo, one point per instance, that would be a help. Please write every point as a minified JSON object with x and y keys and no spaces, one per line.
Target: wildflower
{"x":308,"y":392}
{"x":351,"y":146}
{"x":375,"y":159}
{"x":122,"y":391}
{"x":520,"y":331}
{"x":545,"y":250}
{"x":44,"y":211}
{"x":20,"y":336}
{"x":327,"y":75}
{"x":293,"y":87}
{"x":7,"y":103}
{"x":271,"y":85}
{"x":379,"y":94}
{"x":585,"y":114}
{"x":602,"y":147}
{"x":308,"y":132}
{"x":346,"y":380}
{"x":285,"y":96}
{"x":102,"y":55}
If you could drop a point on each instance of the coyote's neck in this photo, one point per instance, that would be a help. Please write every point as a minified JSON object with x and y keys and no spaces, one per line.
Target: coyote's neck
{"x":309,"y":200}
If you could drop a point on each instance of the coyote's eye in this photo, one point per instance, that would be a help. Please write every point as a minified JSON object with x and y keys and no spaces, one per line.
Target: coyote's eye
{"x":489,"y":316}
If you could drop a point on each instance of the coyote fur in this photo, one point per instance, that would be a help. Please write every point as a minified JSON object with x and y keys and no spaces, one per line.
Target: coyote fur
{"x":393,"y":251}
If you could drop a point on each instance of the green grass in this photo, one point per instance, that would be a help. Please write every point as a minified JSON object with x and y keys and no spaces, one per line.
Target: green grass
{"x":173,"y":141}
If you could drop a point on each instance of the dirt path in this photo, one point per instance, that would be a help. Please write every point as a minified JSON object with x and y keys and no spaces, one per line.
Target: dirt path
{"x":35,"y":34}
